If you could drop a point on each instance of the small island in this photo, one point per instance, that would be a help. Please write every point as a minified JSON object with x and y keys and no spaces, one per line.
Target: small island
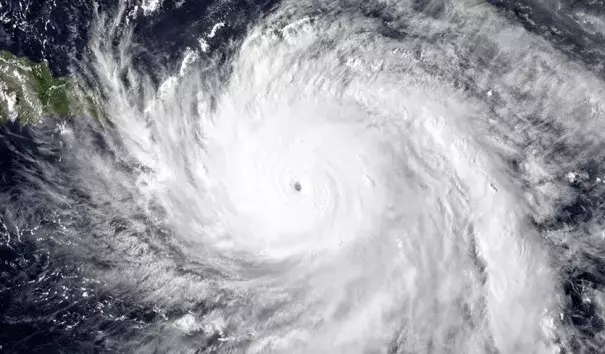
{"x":30,"y":92}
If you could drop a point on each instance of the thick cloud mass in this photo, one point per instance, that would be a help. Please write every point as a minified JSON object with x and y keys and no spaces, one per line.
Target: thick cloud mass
{"x":358,"y":177}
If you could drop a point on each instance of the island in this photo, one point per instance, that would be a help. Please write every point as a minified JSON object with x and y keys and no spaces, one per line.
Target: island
{"x":30,"y":92}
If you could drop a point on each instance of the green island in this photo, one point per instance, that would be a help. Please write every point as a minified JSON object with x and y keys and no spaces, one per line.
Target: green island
{"x":30,"y":92}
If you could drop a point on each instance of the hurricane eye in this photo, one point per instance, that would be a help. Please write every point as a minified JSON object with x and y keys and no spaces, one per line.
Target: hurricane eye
{"x":297,"y":186}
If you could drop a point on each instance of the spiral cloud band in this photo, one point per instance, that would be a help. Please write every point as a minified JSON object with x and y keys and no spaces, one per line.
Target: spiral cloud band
{"x":344,"y":184}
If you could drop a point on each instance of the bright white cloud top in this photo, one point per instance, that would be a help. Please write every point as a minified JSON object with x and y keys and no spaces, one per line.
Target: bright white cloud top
{"x":352,"y":195}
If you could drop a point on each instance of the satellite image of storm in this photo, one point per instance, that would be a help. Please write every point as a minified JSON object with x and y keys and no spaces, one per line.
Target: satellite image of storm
{"x":302,"y":176}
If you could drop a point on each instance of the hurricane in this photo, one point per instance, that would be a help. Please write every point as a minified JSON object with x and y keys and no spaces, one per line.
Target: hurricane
{"x":340,"y":177}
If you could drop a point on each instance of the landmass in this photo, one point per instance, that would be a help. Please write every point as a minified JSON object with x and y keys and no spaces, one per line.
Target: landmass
{"x":30,"y":92}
